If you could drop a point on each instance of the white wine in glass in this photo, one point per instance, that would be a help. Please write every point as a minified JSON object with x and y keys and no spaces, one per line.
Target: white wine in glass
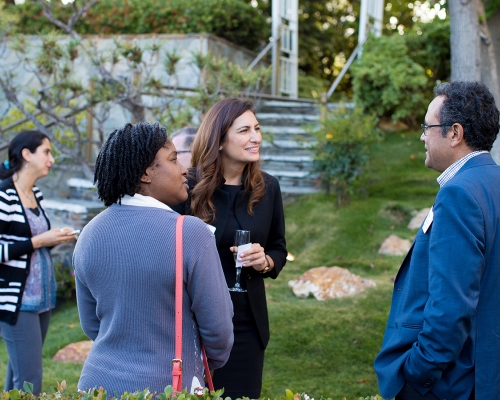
{"x":240,"y":238}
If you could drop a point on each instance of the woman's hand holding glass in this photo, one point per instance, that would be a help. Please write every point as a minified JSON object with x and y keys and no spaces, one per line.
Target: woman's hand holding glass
{"x":53,"y":237}
{"x":253,"y":257}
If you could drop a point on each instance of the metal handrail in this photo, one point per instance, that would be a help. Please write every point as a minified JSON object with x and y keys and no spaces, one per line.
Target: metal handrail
{"x":272,"y":42}
{"x":344,"y":70}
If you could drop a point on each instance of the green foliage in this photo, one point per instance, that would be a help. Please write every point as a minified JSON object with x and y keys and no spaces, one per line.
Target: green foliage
{"x":65,"y":278}
{"x":342,"y":149}
{"x":311,"y":87}
{"x":60,"y":392}
{"x":387,"y":82}
{"x":429,"y":46}
{"x":491,"y":6}
{"x":7,"y":19}
{"x":234,"y":20}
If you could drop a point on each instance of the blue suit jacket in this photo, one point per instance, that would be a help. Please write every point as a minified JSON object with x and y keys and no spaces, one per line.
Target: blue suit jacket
{"x":443,"y":332}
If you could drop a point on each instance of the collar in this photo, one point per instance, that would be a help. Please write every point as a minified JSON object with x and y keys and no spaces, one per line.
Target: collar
{"x":139,"y":200}
{"x":452,"y":170}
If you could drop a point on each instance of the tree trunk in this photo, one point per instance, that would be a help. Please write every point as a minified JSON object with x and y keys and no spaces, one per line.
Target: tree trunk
{"x":472,"y":49}
{"x":494,"y":28}
{"x":489,"y":74}
{"x":464,"y":38}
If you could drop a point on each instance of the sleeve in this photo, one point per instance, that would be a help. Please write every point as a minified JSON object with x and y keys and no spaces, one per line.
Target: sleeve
{"x":211,"y":303}
{"x":276,"y":244}
{"x":87,"y":304}
{"x":456,"y":264}
{"x":10,"y":250}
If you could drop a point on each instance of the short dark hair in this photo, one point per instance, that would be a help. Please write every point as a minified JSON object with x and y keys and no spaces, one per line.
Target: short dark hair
{"x":30,"y":140}
{"x":124,"y":158}
{"x":189,"y":134}
{"x":471,"y":105}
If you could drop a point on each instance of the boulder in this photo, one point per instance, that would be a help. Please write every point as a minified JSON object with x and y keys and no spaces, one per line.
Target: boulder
{"x":418,"y":219}
{"x":329,"y":283}
{"x":74,"y":352}
{"x":394,"y":246}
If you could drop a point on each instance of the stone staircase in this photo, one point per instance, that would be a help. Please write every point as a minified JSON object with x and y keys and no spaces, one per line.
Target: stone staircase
{"x":283,"y":153}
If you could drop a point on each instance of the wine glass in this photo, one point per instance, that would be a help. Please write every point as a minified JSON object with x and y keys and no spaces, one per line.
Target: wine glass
{"x":240,"y":238}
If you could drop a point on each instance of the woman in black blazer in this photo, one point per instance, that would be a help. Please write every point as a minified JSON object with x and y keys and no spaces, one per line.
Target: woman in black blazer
{"x":230,"y":192}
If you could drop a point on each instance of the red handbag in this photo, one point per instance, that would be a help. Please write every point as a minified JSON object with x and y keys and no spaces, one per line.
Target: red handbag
{"x":177,"y":361}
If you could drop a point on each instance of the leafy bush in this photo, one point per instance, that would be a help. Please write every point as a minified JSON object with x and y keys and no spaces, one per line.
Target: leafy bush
{"x":387,"y":82}
{"x":342,"y":148}
{"x":311,"y":87}
{"x":429,"y":46}
{"x":59,"y":392}
{"x":234,"y":20}
{"x":65,"y":278}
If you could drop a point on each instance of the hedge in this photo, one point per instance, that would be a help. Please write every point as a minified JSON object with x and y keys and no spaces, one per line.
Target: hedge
{"x":234,"y":20}
{"x":60,"y":393}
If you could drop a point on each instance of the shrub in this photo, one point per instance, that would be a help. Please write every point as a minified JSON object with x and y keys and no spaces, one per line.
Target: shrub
{"x":341,"y":150}
{"x":59,"y":392}
{"x":387,"y":82}
{"x":429,"y":46}
{"x":311,"y":87}
{"x":234,"y":20}
{"x":65,"y":278}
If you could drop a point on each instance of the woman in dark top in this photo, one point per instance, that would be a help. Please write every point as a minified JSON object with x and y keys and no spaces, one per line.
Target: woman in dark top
{"x":27,"y":281}
{"x":230,"y":192}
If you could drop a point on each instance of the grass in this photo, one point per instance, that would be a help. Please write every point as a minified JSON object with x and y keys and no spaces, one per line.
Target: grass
{"x":323,"y":348}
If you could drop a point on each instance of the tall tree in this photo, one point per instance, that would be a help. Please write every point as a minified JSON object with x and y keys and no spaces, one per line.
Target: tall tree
{"x":472,"y":52}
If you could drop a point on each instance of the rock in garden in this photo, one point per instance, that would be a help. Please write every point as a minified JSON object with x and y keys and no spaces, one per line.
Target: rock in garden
{"x":418,"y":219}
{"x":329,"y":283}
{"x":394,"y":246}
{"x":74,"y":352}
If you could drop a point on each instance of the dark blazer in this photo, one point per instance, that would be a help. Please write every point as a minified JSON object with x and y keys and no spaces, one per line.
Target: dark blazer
{"x":443,"y":332}
{"x":267,"y":227}
{"x":15,"y":249}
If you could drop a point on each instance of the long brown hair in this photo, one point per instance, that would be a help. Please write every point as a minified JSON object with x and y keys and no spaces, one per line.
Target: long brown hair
{"x":208,"y":164}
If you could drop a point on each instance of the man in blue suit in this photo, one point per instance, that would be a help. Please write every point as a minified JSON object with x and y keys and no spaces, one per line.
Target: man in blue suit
{"x":442,"y":339}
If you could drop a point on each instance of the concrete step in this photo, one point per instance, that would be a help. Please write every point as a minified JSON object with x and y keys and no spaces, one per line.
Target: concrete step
{"x":277,"y":119}
{"x":288,"y":173}
{"x":283,"y":130}
{"x":289,"y":107}
{"x":293,"y":158}
{"x":285,"y":155}
{"x":286,"y":144}
{"x":288,"y":166}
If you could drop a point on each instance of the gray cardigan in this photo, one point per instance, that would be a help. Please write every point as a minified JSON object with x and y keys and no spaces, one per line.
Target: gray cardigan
{"x":125,"y":269}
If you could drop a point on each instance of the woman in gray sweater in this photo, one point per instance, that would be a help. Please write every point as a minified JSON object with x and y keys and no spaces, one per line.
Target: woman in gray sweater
{"x":125,"y":272}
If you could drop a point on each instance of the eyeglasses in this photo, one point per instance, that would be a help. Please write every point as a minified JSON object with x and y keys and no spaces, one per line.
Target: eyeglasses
{"x":425,"y":127}
{"x":183,"y":151}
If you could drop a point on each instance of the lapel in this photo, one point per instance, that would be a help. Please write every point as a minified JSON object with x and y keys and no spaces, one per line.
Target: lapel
{"x":221,"y":201}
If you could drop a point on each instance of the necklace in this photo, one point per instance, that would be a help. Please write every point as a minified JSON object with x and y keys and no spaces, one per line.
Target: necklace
{"x":30,"y":199}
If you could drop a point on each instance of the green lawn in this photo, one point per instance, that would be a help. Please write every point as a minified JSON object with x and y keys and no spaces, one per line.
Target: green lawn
{"x":323,"y":348}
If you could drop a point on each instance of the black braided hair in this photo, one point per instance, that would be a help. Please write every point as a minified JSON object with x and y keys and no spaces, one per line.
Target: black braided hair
{"x":124,"y":158}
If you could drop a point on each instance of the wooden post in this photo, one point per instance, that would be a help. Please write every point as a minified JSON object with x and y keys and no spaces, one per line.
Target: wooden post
{"x":323,"y":107}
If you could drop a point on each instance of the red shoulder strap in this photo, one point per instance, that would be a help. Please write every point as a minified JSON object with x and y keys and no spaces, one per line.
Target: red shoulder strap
{"x":177,"y":361}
